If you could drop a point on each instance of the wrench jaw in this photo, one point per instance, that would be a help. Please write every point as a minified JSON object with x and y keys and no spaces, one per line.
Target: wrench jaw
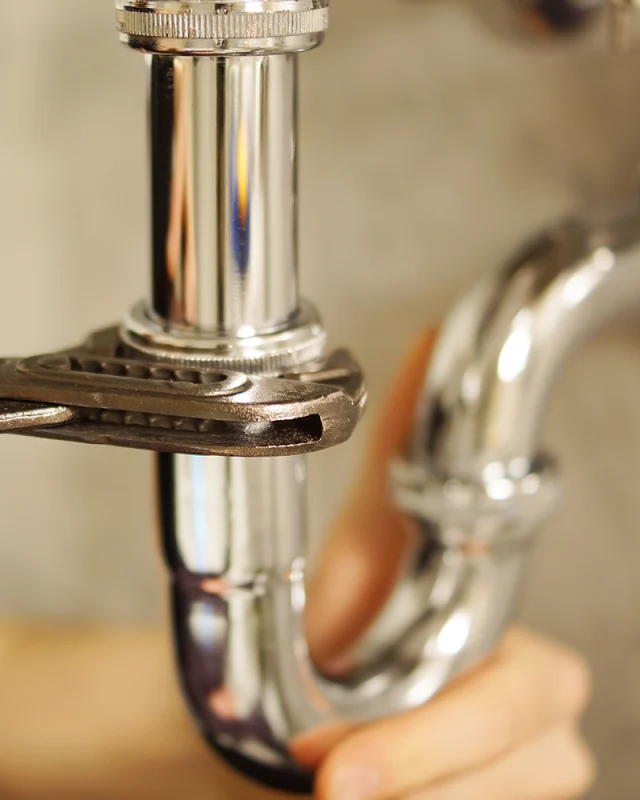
{"x":101,"y":394}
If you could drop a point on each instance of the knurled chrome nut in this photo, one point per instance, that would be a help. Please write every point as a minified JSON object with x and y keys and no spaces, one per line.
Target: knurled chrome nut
{"x":222,"y":27}
{"x":260,"y":354}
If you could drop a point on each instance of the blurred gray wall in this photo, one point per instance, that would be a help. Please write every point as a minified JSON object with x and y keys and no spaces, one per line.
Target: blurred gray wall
{"x":429,"y":149}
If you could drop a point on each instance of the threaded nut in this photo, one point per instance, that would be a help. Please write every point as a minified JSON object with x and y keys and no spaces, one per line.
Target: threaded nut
{"x":222,"y":27}
{"x":263,"y":354}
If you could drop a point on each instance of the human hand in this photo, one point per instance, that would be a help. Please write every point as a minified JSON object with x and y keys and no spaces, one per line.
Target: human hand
{"x":506,"y":731}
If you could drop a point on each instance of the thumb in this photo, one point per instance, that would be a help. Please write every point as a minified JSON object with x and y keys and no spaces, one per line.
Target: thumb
{"x":359,"y":564}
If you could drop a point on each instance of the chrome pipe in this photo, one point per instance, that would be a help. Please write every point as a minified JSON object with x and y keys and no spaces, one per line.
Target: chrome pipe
{"x":223,"y":146}
{"x":503,"y":346}
{"x":234,"y":533}
{"x":226,"y":361}
{"x":234,"y":529}
{"x":474,"y":473}
{"x":225,"y":297}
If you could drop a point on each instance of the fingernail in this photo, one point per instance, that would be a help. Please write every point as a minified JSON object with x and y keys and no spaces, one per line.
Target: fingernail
{"x":354,"y":783}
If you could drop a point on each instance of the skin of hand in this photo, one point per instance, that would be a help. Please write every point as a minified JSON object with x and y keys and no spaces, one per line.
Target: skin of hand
{"x":91,"y":715}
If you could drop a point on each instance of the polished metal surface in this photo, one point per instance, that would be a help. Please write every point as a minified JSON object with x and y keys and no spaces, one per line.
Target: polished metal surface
{"x":225,"y":245}
{"x":16,"y":415}
{"x":222,"y":27}
{"x":503,"y":346}
{"x":224,"y":137}
{"x":234,"y":530}
{"x":234,"y":535}
{"x":474,"y":473}
{"x":301,"y":342}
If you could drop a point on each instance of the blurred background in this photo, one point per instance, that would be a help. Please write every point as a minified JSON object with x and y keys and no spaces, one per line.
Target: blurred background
{"x":430,"y":148}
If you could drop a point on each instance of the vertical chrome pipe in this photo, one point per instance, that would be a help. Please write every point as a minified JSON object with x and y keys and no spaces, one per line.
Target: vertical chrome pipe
{"x":233,"y":531}
{"x":223,"y":142}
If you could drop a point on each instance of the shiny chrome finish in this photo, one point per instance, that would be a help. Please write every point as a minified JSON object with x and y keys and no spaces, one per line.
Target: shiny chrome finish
{"x":223,"y":143}
{"x":503,"y":346}
{"x":234,"y":534}
{"x":227,"y":360}
{"x":301,"y":342}
{"x":225,"y":244}
{"x":222,"y":27}
{"x":234,"y":531}
{"x":16,"y":415}
{"x":474,"y":474}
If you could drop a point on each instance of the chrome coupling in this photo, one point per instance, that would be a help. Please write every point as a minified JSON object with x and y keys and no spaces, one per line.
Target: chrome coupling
{"x":500,"y":505}
{"x":222,"y":27}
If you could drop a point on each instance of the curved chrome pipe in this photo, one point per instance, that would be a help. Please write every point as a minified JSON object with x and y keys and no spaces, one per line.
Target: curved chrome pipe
{"x":474,"y":473}
{"x":235,"y":539}
{"x":504,"y":344}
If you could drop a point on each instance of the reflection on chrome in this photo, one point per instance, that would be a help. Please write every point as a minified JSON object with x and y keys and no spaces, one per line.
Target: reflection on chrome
{"x":224,"y":202}
{"x":474,"y":475}
{"x":515,"y":353}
